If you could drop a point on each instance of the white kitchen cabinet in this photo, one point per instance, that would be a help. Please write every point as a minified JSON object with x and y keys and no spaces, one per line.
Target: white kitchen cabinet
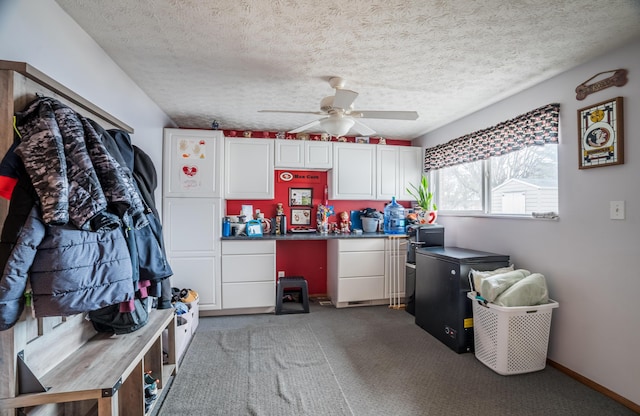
{"x":248,"y":168}
{"x":354,"y":172}
{"x":356,"y":271}
{"x":249,"y":274}
{"x":396,"y":168}
{"x":387,"y":172}
{"x":411,"y":166}
{"x":192,"y":162}
{"x":191,"y":229}
{"x":303,"y":154}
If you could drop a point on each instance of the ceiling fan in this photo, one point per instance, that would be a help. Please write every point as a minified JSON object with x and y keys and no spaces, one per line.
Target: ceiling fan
{"x":340,"y":117}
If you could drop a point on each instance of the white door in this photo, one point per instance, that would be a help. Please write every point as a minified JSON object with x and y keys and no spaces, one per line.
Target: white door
{"x":192,"y":239}
{"x":318,"y":155}
{"x":353,"y":175}
{"x":411,"y":166}
{"x":387,"y":172}
{"x":192,"y":163}
{"x":289,"y":154}
{"x":249,"y":168}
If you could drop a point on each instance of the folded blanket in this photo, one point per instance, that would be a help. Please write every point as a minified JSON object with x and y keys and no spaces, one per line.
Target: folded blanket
{"x":478,"y":275}
{"x":532,"y":290}
{"x":493,"y":286}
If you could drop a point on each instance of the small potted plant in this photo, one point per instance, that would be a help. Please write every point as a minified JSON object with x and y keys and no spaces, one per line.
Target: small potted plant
{"x":428,"y":211}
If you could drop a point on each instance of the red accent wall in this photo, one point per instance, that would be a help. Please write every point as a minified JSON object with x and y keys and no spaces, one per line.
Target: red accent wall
{"x":305,"y":258}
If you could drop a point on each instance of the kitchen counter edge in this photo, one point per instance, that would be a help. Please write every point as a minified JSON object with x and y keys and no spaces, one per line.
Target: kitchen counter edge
{"x":311,"y":236}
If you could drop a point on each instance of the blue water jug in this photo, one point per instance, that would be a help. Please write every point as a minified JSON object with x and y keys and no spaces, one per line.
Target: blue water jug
{"x":394,"y":218}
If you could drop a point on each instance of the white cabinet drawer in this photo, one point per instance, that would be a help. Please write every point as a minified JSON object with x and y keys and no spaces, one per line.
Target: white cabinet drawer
{"x":356,"y":263}
{"x":364,"y":244}
{"x":249,"y":247}
{"x":248,"y":295}
{"x":253,"y":268}
{"x":360,"y":288}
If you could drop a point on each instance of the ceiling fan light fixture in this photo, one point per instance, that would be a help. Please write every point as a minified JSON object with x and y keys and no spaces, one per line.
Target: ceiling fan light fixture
{"x":337,"y":126}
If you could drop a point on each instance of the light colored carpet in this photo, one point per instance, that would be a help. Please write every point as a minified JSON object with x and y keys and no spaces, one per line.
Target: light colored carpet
{"x":384,"y":364}
{"x":261,"y":371}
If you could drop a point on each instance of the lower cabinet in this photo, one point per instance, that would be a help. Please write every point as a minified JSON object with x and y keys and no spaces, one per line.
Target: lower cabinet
{"x":193,"y":247}
{"x":356,"y":271}
{"x":248,"y":274}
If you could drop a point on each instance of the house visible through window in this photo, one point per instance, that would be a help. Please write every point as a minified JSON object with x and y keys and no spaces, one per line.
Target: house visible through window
{"x":509,"y":169}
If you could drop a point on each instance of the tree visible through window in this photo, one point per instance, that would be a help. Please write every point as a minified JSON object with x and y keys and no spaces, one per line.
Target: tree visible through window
{"x":510,"y":168}
{"x":520,"y":182}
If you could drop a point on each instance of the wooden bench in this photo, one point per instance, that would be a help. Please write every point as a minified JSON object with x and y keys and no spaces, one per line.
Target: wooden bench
{"x":104,"y":374}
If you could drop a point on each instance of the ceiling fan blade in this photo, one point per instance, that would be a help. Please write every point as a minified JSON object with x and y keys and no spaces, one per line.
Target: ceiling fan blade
{"x":390,"y":115}
{"x":306,"y":126}
{"x":318,"y":113}
{"x":361,"y":129}
{"x":344,"y":99}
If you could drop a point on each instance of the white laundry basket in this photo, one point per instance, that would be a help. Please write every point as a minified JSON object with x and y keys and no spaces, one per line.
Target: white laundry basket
{"x":511,"y":340}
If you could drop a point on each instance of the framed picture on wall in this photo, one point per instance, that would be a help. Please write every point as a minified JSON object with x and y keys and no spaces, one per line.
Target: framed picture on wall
{"x":301,"y":216}
{"x":300,"y":197}
{"x":600,"y":134}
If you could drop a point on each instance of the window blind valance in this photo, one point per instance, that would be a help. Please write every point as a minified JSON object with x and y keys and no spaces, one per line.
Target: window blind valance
{"x":537,"y":127}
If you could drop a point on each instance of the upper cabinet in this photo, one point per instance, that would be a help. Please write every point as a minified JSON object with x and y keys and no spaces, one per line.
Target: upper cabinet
{"x":373,"y":172}
{"x":387,"y":172}
{"x":303,"y":154}
{"x":192,"y":163}
{"x":249,"y":168}
{"x":411,"y":167}
{"x":354,"y":172}
{"x":396,"y":168}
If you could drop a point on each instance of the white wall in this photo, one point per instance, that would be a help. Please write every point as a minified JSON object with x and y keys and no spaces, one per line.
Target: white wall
{"x":592,"y":263}
{"x":40,"y":33}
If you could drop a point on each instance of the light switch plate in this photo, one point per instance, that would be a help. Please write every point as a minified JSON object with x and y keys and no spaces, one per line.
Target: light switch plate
{"x":616,"y":210}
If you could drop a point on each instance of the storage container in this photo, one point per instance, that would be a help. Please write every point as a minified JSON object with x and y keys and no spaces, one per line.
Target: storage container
{"x":394,"y":218}
{"x":369,"y":225}
{"x":511,"y":340}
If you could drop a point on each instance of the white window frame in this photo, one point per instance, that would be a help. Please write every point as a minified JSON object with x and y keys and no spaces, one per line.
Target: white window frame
{"x":485,"y":211}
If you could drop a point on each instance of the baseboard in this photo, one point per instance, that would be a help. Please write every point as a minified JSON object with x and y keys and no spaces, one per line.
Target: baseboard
{"x":240,"y":311}
{"x":597,"y":387}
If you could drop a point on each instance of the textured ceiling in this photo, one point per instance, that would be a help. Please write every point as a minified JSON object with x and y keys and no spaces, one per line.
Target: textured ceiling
{"x":201,"y":60}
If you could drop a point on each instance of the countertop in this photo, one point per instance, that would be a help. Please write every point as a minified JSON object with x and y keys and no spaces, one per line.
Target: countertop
{"x":312,"y":236}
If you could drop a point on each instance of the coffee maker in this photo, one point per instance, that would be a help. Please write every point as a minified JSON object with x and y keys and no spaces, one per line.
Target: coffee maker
{"x":419,"y":236}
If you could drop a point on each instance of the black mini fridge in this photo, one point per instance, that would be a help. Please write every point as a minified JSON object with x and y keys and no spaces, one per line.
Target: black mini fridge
{"x":441,"y":304}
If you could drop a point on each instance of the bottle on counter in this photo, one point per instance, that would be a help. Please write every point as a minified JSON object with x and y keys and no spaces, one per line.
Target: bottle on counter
{"x":226,"y":227}
{"x":394,"y":218}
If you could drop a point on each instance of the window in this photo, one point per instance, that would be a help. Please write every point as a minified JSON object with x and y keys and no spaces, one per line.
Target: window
{"x":517,"y":183}
{"x":508,"y":169}
{"x":459,"y":187}
{"x":525,"y":181}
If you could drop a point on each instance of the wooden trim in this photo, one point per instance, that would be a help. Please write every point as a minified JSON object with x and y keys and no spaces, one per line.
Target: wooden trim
{"x":7,"y":345}
{"x":597,"y":387}
{"x":32,"y":73}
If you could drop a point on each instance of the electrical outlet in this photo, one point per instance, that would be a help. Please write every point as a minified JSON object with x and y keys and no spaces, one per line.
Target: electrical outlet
{"x":616,"y":210}
{"x":280,"y":274}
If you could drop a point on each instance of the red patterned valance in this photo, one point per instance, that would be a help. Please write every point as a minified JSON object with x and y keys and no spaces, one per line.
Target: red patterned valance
{"x":537,"y":127}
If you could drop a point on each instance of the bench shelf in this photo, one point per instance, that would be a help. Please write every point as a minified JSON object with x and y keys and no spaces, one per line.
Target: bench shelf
{"x":109,"y":370}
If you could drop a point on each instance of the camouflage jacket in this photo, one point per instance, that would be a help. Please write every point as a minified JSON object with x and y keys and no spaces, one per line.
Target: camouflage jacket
{"x":74,"y":175}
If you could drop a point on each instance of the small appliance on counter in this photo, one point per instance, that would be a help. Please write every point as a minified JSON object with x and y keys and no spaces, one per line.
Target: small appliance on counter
{"x":419,"y":236}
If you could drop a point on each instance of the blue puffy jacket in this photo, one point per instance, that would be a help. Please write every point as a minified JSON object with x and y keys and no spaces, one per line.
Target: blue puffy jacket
{"x":70,"y":270}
